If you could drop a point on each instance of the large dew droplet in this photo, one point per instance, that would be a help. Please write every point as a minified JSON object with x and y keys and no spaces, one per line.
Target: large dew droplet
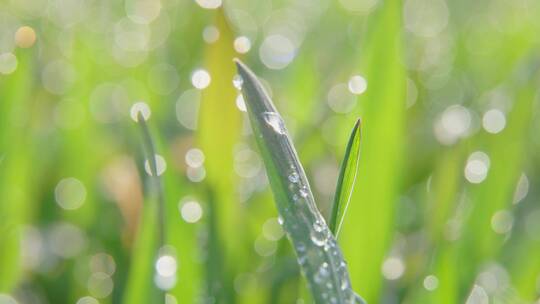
{"x":274,"y":120}
{"x":318,"y":238}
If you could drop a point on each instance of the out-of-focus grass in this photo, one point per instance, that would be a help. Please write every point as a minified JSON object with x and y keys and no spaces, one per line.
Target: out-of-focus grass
{"x":427,"y":222}
{"x":15,"y":178}
{"x":369,"y":224}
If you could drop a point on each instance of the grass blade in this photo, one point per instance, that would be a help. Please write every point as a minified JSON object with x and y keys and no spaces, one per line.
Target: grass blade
{"x":151,"y":234}
{"x":219,"y":130}
{"x":346,"y":179}
{"x":318,"y":253}
{"x":382,"y":108}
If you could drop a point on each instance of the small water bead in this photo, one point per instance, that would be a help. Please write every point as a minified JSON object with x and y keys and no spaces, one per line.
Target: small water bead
{"x":357,"y":84}
{"x":318,"y":226}
{"x":8,"y":63}
{"x":194,"y":157}
{"x":274,"y":120}
{"x":200,"y":79}
{"x":240,"y":103}
{"x":242,"y":44}
{"x":327,"y":246}
{"x":238,"y":82}
{"x":294,"y":178}
{"x":166,"y":265}
{"x":160,"y":163}
{"x":343,"y":276}
{"x":304,"y":192}
{"x":142,"y":108}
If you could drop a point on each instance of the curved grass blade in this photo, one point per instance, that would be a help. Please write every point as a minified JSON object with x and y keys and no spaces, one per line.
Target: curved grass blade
{"x":319,"y":256}
{"x":346,"y":180}
{"x":140,"y":285}
{"x":155,"y":181}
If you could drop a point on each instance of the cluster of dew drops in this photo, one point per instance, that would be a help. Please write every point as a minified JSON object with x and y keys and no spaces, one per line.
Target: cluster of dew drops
{"x":272,"y":119}
{"x":320,"y":237}
{"x":319,"y":234}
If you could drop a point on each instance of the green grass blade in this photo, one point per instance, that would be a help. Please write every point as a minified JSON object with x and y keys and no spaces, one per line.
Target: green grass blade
{"x":219,"y":130}
{"x":155,"y":181}
{"x":151,"y":231}
{"x":16,"y":178}
{"x":347,"y":177}
{"x":382,"y":108}
{"x":318,"y":253}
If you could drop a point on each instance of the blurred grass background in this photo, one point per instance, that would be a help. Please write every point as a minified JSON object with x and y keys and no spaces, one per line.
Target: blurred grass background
{"x":444,"y":211}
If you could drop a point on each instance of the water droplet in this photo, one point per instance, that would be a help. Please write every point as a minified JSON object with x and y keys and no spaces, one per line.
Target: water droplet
{"x":344,"y":284}
{"x":166,"y":265}
{"x":200,"y":79}
{"x":327,"y":246}
{"x":240,"y":103}
{"x":294,"y":178}
{"x":280,"y":220}
{"x":242,"y":44}
{"x":318,"y":226}
{"x":318,"y":237}
{"x":304,"y":192}
{"x":357,"y":84}
{"x":274,"y":120}
{"x":296,"y":197}
{"x":140,"y":108}
{"x":238,"y":81}
{"x":160,"y":163}
{"x":343,"y":277}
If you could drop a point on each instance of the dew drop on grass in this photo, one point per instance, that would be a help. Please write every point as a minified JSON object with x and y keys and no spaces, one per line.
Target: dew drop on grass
{"x":238,"y":81}
{"x":200,"y":79}
{"x":303,"y":192}
{"x":274,"y":120}
{"x":294,"y":178}
{"x":161,"y":165}
{"x":142,"y":108}
{"x":318,"y":237}
{"x":318,"y":226}
{"x":242,"y":44}
{"x":357,"y":84}
{"x":240,"y":103}
{"x":166,"y":265}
